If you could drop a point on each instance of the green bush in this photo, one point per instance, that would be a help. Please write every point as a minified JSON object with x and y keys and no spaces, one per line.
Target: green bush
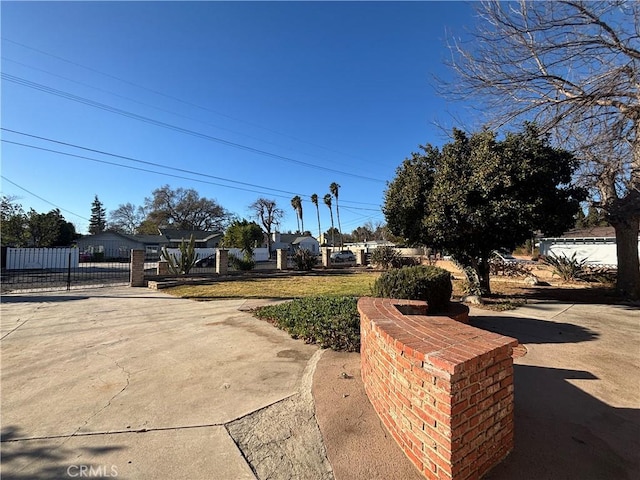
{"x":428,"y":283}
{"x":330,"y":322}
{"x":385,"y":257}
{"x":304,"y":260}
{"x":241,"y":263}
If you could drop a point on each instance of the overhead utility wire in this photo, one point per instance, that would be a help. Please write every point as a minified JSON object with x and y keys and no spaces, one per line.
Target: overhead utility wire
{"x":151,"y":171}
{"x":190,"y":172}
{"x":134,"y":168}
{"x":142,"y":103}
{"x":43,"y":199}
{"x":108,"y":108}
{"x":177,"y":99}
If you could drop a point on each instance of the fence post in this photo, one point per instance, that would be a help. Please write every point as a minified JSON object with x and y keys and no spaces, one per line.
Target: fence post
{"x":326,"y":257}
{"x":222,"y":261}
{"x":136,"y":278}
{"x":281,"y":259}
{"x":69,"y":272}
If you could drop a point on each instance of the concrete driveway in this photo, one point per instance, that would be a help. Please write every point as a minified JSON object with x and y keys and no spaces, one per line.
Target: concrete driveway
{"x":577,"y":399}
{"x":132,"y":383}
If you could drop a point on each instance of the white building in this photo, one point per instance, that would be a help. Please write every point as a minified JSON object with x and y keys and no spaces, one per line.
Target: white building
{"x":596,"y":246}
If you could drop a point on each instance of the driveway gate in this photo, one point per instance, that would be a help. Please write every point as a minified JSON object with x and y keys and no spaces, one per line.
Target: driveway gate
{"x":41,"y":269}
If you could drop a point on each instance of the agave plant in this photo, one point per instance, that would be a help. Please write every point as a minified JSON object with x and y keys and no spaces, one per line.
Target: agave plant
{"x":567,"y":268}
{"x":187,"y":260}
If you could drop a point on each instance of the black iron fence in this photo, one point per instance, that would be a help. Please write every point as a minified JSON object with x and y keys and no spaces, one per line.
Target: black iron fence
{"x":41,"y":269}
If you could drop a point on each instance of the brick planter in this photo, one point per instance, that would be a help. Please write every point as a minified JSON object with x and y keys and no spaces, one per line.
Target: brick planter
{"x":443,"y":389}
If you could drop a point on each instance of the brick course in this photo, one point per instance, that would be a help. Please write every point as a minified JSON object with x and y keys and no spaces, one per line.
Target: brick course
{"x":443,"y":389}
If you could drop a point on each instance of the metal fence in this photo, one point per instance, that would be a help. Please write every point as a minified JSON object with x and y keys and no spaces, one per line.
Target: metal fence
{"x":42,"y":269}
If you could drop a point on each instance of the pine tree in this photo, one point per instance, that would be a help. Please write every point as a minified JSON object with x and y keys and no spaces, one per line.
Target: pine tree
{"x":97,"y":222}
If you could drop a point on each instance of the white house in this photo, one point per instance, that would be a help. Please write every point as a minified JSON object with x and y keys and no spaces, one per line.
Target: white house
{"x":596,"y":245}
{"x":293,"y":242}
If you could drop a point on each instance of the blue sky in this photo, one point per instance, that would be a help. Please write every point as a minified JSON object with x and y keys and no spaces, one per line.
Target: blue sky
{"x":247,"y":99}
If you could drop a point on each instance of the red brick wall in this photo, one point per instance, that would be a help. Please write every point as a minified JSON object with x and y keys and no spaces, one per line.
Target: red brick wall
{"x":443,"y":389}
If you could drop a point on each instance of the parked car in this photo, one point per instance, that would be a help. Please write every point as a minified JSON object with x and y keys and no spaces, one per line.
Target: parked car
{"x":505,"y":257}
{"x":208,"y":261}
{"x":343,"y":256}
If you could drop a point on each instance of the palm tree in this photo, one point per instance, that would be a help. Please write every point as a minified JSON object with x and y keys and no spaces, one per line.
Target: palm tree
{"x":333,"y":188}
{"x":296,"y":203}
{"x":314,"y":200}
{"x":327,"y":202}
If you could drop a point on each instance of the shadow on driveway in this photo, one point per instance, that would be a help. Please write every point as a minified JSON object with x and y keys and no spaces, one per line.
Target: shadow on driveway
{"x":52,"y":456}
{"x":563,"y":432}
{"x":533,"y":330}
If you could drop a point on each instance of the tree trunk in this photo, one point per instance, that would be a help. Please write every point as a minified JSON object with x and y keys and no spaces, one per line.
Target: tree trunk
{"x":483,"y":276}
{"x":628,"y":283}
{"x":481,"y":269}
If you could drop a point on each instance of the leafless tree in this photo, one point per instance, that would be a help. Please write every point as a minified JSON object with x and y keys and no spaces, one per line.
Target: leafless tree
{"x":127,"y":218}
{"x":572,"y":67}
{"x":268,"y":214}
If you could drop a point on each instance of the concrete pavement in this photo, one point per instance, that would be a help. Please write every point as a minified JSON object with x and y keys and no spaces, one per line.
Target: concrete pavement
{"x":133,"y":383}
{"x":577,"y":399}
{"x":138,"y":384}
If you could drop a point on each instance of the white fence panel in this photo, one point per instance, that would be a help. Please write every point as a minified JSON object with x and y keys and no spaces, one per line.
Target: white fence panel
{"x":259,"y":254}
{"x":41,"y":258}
{"x":592,"y":253}
{"x":200,"y":252}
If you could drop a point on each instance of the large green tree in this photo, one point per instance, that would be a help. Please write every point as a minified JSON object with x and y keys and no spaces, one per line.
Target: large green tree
{"x":573,"y":67}
{"x":98,"y":219}
{"x":184,"y":209}
{"x":33,"y":229}
{"x":244,"y":235}
{"x":13,"y":223}
{"x":479,"y":194}
{"x":49,"y":229}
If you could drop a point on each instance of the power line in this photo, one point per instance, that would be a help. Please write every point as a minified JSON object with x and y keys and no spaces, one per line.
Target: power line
{"x":150,"y":171}
{"x":172,"y":97}
{"x":190,"y":172}
{"x":129,"y":99}
{"x":151,"y":121}
{"x":44,"y":200}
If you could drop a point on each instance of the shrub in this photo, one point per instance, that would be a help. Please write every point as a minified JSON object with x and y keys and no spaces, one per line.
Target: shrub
{"x":600,"y":274}
{"x":385,"y":257}
{"x":330,"y":322}
{"x":567,"y":268}
{"x":406,"y":262}
{"x":428,"y":283}
{"x":304,"y":260}
{"x":242,"y":264}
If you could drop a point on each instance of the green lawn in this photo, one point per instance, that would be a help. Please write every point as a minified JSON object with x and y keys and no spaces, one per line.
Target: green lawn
{"x":294,"y":286}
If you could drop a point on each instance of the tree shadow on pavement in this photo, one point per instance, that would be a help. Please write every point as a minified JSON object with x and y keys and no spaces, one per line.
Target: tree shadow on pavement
{"x":583,"y":294}
{"x":562,"y":432}
{"x":44,"y":459}
{"x":531,"y":330}
{"x":41,"y":298}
